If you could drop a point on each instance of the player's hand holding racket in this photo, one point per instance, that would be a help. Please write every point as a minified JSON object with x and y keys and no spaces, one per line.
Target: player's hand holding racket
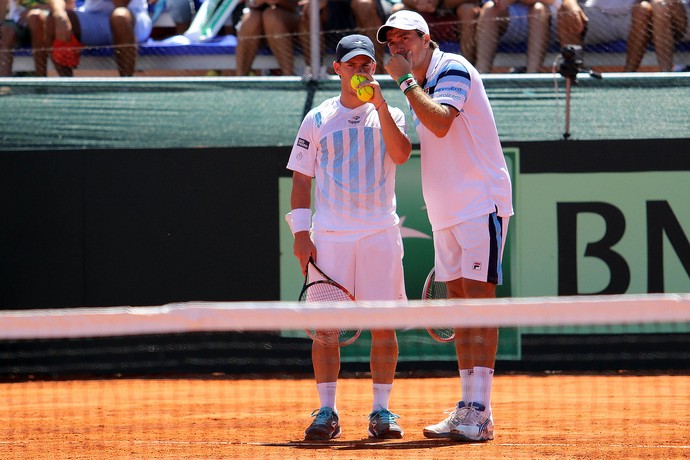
{"x":437,"y":290}
{"x":327,"y":290}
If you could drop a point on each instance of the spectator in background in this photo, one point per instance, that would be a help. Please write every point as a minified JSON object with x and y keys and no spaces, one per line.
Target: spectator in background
{"x":25,"y":26}
{"x":667,"y":23}
{"x":467,"y":12}
{"x":181,"y":12}
{"x":450,"y":20}
{"x":120,"y":23}
{"x":277,"y":21}
{"x":440,"y":18}
{"x":366,"y":16}
{"x":604,"y":21}
{"x":511,"y":22}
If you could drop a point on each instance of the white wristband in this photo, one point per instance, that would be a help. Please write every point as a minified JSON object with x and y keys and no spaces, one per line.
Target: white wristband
{"x":407,"y":84}
{"x":299,"y":220}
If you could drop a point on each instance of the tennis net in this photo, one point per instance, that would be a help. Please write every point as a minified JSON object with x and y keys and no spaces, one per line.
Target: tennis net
{"x":576,"y":377}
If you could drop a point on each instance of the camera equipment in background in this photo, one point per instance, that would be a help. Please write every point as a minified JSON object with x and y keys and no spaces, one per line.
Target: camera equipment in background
{"x":572,"y":64}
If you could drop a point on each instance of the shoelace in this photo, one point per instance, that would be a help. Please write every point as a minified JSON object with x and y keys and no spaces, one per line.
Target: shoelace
{"x":472,"y":417}
{"x":457,"y":414}
{"x":385,"y":415}
{"x":322,"y":415}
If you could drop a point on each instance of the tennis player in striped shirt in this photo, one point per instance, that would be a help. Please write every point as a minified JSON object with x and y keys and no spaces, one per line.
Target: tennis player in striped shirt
{"x":467,"y":192}
{"x":351,"y":148}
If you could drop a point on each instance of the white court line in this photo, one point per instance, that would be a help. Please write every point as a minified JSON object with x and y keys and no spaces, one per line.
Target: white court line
{"x":340,"y":444}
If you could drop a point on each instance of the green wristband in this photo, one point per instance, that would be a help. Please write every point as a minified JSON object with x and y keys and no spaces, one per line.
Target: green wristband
{"x":404,"y":77}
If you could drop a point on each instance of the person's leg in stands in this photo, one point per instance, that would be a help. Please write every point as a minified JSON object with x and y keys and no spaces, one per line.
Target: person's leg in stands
{"x":36,"y":19}
{"x":50,"y":36}
{"x":468,"y":15}
{"x":368,"y":17}
{"x":124,"y":40}
{"x":639,"y":36}
{"x":670,"y":22}
{"x":248,"y":40}
{"x":7,"y":40}
{"x":280,"y":25}
{"x":304,"y":28}
{"x":493,"y":21}
{"x":537,"y":36}
{"x":571,"y":26}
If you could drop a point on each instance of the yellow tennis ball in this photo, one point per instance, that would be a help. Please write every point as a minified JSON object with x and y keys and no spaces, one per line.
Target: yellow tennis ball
{"x":366,"y":92}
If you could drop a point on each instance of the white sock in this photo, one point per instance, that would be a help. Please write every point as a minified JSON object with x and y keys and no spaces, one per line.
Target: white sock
{"x":481,"y":392}
{"x":327,"y":394}
{"x":466,"y":382}
{"x":382,"y":393}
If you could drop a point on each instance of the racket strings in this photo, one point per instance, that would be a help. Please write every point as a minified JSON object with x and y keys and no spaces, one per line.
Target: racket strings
{"x":324,"y":291}
{"x":335,"y":336}
{"x":437,"y":290}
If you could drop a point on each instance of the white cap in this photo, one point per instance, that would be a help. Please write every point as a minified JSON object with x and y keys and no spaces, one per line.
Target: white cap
{"x":404,"y":20}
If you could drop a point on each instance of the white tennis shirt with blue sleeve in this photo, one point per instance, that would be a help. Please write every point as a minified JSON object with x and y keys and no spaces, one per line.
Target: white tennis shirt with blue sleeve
{"x":464,"y":173}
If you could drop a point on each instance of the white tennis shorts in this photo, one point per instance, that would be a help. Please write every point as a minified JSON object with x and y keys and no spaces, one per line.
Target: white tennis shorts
{"x":471,"y":249}
{"x":370,"y":268}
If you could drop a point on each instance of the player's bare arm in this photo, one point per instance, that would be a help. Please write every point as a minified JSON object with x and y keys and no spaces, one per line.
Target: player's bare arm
{"x":398,"y":145}
{"x":437,"y":117}
{"x":300,"y":198}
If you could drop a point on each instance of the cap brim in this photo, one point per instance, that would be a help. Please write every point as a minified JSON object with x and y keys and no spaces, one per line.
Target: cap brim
{"x":357,"y":52}
{"x":383,"y":30}
{"x":381,"y":34}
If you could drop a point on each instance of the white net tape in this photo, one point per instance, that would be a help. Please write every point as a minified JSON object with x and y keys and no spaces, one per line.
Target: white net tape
{"x":261,"y":316}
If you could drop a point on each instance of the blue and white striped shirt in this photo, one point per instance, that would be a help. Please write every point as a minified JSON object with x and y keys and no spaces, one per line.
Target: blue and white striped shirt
{"x":343,"y":149}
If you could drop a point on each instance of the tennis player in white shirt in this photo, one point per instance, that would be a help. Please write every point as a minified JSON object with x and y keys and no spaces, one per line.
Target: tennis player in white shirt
{"x":350,"y":149}
{"x":468,"y":195}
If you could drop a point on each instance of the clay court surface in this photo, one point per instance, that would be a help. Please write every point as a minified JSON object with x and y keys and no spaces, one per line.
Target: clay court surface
{"x":550,"y":416}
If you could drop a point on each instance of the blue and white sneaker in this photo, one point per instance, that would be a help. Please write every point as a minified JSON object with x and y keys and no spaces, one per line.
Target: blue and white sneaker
{"x":476,"y":425}
{"x":326,"y":425}
{"x":442,"y":429}
{"x":382,"y":425}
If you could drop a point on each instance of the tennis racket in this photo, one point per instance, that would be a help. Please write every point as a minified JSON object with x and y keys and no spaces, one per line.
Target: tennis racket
{"x":327,"y":290}
{"x":437,"y":290}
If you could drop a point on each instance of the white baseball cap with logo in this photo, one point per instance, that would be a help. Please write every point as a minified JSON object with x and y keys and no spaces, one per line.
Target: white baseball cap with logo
{"x":404,"y":20}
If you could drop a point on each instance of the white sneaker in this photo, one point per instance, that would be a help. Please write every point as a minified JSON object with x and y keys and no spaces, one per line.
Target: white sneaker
{"x":477,"y":425}
{"x":442,"y":429}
